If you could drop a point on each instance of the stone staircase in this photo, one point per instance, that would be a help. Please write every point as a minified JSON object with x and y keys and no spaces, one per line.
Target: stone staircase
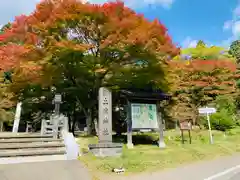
{"x":30,"y":147}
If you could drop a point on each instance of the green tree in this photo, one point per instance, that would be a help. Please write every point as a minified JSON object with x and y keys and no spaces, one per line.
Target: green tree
{"x":201,"y":44}
{"x":235,"y":50}
{"x":6,"y":104}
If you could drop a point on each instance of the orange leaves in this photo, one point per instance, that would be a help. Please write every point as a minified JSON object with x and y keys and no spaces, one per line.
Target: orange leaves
{"x":112,"y":24}
{"x":210,"y":65}
{"x":129,"y":28}
{"x":212,"y":76}
{"x":198,"y":83}
{"x":70,"y":45}
{"x":11,"y":55}
{"x":109,"y":34}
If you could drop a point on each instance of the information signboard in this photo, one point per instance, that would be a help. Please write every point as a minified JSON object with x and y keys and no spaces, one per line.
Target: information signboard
{"x":185,"y":125}
{"x":144,"y":116}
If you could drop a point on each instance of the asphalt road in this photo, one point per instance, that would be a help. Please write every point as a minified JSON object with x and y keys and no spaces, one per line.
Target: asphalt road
{"x":235,"y":177}
{"x":224,"y":168}
{"x":51,"y":170}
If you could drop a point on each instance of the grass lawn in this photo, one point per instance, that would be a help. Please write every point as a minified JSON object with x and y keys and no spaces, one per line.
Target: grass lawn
{"x":148,"y":157}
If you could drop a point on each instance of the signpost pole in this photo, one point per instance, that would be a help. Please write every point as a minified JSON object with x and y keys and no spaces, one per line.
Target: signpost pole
{"x":207,"y":111}
{"x":210,"y":130}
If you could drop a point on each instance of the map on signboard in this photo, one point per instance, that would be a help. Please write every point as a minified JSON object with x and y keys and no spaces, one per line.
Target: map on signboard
{"x":144,"y":116}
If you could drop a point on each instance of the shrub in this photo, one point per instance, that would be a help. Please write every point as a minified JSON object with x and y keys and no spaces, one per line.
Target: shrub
{"x":226,"y":102}
{"x":221,"y":121}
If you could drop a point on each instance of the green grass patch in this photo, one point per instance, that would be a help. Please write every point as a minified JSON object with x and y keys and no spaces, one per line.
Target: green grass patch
{"x":146,"y":155}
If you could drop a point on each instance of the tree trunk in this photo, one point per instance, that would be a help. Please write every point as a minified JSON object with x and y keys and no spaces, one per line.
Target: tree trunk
{"x":69,"y":121}
{"x":74,"y":121}
{"x":1,"y":126}
{"x":73,"y":125}
{"x":96,"y":126}
{"x":89,"y":122}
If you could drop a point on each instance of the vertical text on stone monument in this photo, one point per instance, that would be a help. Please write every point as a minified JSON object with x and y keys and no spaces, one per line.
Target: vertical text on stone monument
{"x":105,"y":115}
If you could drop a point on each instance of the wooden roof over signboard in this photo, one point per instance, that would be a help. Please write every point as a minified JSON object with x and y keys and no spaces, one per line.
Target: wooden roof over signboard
{"x":146,"y":94}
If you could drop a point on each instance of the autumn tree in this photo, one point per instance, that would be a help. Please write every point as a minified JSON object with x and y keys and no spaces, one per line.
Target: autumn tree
{"x":199,"y":82}
{"x":76,"y":48}
{"x":6,"y":104}
{"x":204,"y":52}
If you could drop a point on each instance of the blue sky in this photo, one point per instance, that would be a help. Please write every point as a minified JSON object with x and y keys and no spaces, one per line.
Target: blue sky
{"x":217,"y":22}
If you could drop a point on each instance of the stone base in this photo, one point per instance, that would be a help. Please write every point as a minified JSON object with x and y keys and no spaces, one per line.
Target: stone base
{"x":130,"y":145}
{"x":161,"y":144}
{"x":106,"y":149}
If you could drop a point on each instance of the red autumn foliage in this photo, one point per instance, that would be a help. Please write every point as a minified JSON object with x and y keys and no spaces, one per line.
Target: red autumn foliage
{"x":11,"y":56}
{"x":117,"y":24}
{"x":108,"y":27}
{"x":198,"y":83}
{"x":213,"y":77}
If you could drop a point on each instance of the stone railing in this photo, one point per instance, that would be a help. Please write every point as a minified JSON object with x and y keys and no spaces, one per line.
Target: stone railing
{"x":54,"y":126}
{"x":72,"y":147}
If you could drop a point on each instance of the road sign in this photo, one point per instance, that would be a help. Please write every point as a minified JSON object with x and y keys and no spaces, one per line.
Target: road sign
{"x":206,"y":110}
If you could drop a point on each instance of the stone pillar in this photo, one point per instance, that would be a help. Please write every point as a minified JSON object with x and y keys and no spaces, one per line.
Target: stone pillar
{"x":105,"y":115}
{"x":43,"y":125}
{"x":55,"y":126}
{"x":105,"y":147}
{"x":65,"y":126}
{"x":129,"y":126}
{"x":17,"y":117}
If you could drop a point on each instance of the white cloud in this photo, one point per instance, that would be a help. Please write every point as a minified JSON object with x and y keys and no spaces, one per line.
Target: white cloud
{"x":236,"y":11}
{"x":141,"y":3}
{"x":236,"y":29}
{"x":227,"y":25}
{"x":226,"y":43}
{"x":189,"y":43}
{"x":233,"y":25}
{"x":11,"y":8}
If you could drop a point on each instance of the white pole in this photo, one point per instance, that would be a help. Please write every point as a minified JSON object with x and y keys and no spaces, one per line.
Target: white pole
{"x":210,"y":131}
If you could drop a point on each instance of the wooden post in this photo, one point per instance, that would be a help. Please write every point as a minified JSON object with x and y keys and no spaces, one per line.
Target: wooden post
{"x":190,"y":137}
{"x":161,"y":142}
{"x":182,"y":136}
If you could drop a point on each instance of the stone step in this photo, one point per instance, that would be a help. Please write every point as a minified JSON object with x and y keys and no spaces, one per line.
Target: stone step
{"x":32,"y":152}
{"x":23,"y":135}
{"x":31,"y":145}
{"x":30,"y":159}
{"x":26,"y":140}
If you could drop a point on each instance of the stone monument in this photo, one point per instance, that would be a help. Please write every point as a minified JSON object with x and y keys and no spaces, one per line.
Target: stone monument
{"x":105,"y":146}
